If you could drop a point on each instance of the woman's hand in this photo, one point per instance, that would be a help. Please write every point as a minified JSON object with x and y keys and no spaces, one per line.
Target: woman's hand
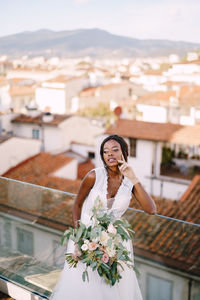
{"x":139,"y":192}
{"x":127,"y":171}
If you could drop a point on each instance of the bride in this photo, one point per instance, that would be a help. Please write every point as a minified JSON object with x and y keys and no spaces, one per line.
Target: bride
{"x":114,"y":184}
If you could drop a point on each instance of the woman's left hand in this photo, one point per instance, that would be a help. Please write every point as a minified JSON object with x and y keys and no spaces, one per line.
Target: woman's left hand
{"x":126,"y":170}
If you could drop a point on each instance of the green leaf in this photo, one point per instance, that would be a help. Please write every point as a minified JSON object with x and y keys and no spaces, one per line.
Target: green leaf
{"x":109,"y":243}
{"x":79,"y":233}
{"x":118,"y":222}
{"x":105,"y":266}
{"x":100,"y":272}
{"x":99,"y":252}
{"x":93,"y":265}
{"x":63,"y":240}
{"x":86,"y":272}
{"x":83,"y":276}
{"x":119,"y":254}
{"x":123,"y":233}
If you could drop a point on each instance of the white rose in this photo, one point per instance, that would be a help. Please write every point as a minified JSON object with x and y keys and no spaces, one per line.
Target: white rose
{"x":117,"y":239}
{"x":86,"y":242}
{"x":84,"y":247}
{"x":96,"y":240}
{"x":110,"y":251}
{"x":104,"y":238}
{"x":112,"y":229}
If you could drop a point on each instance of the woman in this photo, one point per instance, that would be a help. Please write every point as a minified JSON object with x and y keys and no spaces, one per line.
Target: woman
{"x":114,"y":184}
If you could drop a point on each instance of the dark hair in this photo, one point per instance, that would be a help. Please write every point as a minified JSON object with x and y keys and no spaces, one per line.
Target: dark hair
{"x":120,"y":140}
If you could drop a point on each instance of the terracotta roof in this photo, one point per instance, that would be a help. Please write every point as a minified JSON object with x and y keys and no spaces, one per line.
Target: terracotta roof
{"x":63,"y":78}
{"x":168,"y":242}
{"x":39,"y":119}
{"x":188,"y":96}
{"x":84,"y":168}
{"x":33,"y":69}
{"x":38,"y":170}
{"x":110,"y":85}
{"x":188,"y":135}
{"x":153,"y":72}
{"x":90,"y":91}
{"x":175,"y":133}
{"x":196,"y":62}
{"x":47,"y":207}
{"x":21,"y":91}
{"x":157,"y":98}
{"x":3,"y":81}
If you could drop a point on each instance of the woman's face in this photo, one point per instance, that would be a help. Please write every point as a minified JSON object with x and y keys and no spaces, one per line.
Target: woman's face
{"x":112,"y":152}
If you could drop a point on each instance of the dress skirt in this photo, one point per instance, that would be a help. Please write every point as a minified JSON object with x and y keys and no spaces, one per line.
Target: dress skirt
{"x":70,"y":285}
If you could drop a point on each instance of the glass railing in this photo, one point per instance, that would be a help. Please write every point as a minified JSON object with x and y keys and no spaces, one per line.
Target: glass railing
{"x":33,"y":218}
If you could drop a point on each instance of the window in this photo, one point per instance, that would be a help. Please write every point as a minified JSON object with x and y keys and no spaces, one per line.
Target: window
{"x":158,"y":288}
{"x":25,"y":241}
{"x":91,"y":155}
{"x":132,"y":147}
{"x":35,"y":133}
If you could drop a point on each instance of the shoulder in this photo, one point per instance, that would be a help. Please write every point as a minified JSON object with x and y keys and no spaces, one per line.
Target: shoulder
{"x":94,"y":175}
{"x":89,"y":178}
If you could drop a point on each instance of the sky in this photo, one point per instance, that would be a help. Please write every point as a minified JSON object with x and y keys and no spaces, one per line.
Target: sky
{"x":143,"y":19}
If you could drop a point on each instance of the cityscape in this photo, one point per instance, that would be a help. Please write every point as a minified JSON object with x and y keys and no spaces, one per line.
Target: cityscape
{"x":61,"y":94}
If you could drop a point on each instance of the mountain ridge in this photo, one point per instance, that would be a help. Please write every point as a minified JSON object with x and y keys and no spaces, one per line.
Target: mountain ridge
{"x":88,"y":42}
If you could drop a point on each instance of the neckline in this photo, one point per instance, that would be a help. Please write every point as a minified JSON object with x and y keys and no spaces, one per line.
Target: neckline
{"x":106,"y":190}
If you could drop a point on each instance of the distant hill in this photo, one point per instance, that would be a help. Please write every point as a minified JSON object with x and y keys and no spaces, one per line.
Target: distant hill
{"x":88,"y":42}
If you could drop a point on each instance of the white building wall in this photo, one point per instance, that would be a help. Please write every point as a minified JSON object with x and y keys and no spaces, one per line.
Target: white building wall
{"x":184,"y":69}
{"x":190,"y":119}
{"x":43,"y":238}
{"x":25,"y":130}
{"x":16,"y":150}
{"x":179,"y":283}
{"x":72,"y":89}
{"x":5,"y":120}
{"x":30,"y":74}
{"x":168,"y":187}
{"x":58,"y":138}
{"x":53,"y":139}
{"x":19,"y":103}
{"x":82,"y":149}
{"x":152,"y":113}
{"x":69,"y":171}
{"x":52,"y":98}
{"x":80,"y":130}
{"x":5,"y":99}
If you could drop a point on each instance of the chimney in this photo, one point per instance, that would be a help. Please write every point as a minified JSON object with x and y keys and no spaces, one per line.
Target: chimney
{"x":47,"y":117}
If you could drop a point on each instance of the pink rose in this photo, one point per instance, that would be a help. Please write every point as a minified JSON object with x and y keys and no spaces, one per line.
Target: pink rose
{"x":112,"y":229}
{"x":92,"y":246}
{"x":105,"y":258}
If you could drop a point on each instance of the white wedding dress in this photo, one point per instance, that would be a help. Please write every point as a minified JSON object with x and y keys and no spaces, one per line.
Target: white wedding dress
{"x":70,"y":286}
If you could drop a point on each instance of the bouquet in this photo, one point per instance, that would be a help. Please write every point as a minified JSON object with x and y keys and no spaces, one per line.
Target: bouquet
{"x":100,"y":246}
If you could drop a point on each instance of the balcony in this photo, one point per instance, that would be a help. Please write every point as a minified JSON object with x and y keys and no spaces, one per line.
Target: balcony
{"x":32,"y":219}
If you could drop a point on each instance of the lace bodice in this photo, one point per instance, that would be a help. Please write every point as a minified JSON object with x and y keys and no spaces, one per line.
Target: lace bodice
{"x":121,"y":199}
